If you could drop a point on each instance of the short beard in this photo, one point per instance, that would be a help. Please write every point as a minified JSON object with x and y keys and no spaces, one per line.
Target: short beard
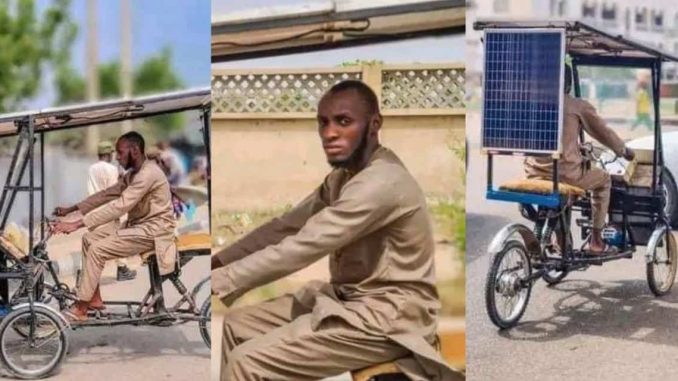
{"x":356,"y":155}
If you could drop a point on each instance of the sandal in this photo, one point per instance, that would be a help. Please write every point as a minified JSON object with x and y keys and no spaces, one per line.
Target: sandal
{"x":98,"y":307}
{"x":73,"y":317}
{"x":609,"y":250}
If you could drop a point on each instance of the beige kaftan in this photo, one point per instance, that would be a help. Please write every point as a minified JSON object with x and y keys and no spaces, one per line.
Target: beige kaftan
{"x":381,"y":302}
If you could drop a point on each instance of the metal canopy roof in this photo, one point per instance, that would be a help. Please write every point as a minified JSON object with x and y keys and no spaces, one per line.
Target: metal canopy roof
{"x":88,"y":114}
{"x":330,"y":24}
{"x":586,"y":41}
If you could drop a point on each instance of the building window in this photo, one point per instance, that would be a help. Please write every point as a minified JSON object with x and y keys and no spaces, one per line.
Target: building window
{"x":658,"y":20}
{"x":557,"y":7}
{"x":588,"y":9}
{"x":641,"y":18}
{"x":609,"y":14}
{"x":501,"y":6}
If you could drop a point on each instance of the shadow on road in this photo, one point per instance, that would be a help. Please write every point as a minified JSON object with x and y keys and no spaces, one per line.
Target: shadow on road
{"x":624,"y":310}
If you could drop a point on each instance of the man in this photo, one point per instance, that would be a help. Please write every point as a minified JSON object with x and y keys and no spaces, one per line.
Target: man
{"x":173,"y":163}
{"x":102,"y":175}
{"x":643,"y":105}
{"x":580,"y":114}
{"x":381,"y":303}
{"x":143,"y":194}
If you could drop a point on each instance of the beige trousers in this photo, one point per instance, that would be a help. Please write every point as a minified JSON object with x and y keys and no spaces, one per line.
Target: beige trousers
{"x":104,"y":244}
{"x":120,"y":262}
{"x":275,"y":340}
{"x":598,"y":182}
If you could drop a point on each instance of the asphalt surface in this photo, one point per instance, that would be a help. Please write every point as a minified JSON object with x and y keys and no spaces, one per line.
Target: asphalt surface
{"x":602,"y":323}
{"x":134,"y":353}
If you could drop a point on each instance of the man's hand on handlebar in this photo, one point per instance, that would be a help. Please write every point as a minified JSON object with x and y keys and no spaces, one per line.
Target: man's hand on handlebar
{"x":629,"y":154}
{"x":61,"y":211}
{"x":65,"y":227}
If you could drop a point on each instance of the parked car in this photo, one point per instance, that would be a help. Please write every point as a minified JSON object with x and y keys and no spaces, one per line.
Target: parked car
{"x":670,"y":145}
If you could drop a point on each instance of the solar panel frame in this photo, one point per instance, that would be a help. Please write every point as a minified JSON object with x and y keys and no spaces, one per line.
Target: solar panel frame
{"x":561,"y":32}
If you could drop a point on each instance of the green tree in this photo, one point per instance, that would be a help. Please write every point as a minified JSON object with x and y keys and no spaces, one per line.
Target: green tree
{"x":29,"y":40}
{"x":153,"y":75}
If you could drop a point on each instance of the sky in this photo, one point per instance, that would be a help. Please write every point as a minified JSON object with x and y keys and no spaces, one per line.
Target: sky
{"x":423,"y":50}
{"x":182,"y":25}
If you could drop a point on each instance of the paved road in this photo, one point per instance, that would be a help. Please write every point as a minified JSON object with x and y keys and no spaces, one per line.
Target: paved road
{"x":139,"y":353}
{"x":600,"y":324}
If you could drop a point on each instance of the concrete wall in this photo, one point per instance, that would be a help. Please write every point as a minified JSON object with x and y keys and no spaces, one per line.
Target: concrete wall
{"x":266,"y":163}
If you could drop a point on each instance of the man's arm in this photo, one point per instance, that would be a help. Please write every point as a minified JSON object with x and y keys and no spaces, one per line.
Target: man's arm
{"x":595,"y":126}
{"x":100,"y":198}
{"x":126,"y":199}
{"x":273,"y":231}
{"x":367,"y":203}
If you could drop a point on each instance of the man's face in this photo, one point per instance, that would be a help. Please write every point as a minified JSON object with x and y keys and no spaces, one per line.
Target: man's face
{"x":123,"y":152}
{"x":343,"y":125}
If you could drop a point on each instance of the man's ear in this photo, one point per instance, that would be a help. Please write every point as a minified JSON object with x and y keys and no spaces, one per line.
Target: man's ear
{"x":375,"y":124}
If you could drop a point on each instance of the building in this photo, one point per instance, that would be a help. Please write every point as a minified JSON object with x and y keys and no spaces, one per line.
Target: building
{"x":652,"y":22}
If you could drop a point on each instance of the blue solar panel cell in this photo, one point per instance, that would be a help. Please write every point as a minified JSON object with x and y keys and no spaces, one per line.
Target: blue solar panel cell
{"x":523,"y":90}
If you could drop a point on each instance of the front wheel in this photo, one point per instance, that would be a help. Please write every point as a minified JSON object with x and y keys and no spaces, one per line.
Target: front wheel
{"x":661,"y":271}
{"x":670,"y":191}
{"x":507,"y":288}
{"x":205,"y":318}
{"x":33,"y":341}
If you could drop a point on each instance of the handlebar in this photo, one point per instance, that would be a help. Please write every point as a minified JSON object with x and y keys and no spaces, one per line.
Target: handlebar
{"x":597,"y":154}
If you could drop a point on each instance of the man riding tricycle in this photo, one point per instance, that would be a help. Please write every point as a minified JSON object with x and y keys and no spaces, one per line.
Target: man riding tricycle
{"x":619,"y":192}
{"x":42,"y":307}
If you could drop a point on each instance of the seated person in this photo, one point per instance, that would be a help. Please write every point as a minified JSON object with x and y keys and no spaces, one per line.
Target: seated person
{"x":381,"y":303}
{"x":580,"y":114}
{"x":143,"y":192}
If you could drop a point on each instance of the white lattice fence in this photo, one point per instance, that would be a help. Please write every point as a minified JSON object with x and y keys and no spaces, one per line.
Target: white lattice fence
{"x":272,"y":93}
{"x":414,"y":89}
{"x":422,"y":88}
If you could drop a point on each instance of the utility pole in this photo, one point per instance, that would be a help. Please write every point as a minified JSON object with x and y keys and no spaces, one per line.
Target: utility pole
{"x":92,"y":67}
{"x":126,"y":56}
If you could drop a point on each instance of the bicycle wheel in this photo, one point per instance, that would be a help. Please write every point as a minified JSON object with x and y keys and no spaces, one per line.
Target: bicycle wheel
{"x":661,"y":271}
{"x":33,"y":356}
{"x":506,"y":289}
{"x":205,"y":325}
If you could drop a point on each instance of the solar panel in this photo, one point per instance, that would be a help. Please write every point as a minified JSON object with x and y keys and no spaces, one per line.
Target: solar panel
{"x":523,"y":90}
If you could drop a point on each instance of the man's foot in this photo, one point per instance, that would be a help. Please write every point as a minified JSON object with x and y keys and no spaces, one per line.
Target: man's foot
{"x":77,"y":313}
{"x":124,"y":273}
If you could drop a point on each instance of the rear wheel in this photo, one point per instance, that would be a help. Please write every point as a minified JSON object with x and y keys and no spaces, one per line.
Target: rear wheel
{"x":507,"y":289}
{"x":661,"y":271}
{"x":205,"y":325}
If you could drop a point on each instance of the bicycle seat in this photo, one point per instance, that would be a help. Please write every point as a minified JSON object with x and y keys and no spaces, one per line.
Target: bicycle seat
{"x":383,"y":369}
{"x":538,"y":186}
{"x":200,"y":243}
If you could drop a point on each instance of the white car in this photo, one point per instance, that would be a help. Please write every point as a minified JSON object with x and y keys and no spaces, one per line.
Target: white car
{"x":670,"y":148}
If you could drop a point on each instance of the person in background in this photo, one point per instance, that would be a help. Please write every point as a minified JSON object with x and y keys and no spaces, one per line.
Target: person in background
{"x":172,"y":161}
{"x":101,"y":175}
{"x":643,"y":104}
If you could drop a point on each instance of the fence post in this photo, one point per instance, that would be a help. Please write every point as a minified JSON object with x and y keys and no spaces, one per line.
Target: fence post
{"x":371,"y":75}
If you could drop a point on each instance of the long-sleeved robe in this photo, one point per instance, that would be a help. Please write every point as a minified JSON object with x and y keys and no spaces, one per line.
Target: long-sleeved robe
{"x":376,"y":229}
{"x":145,"y":197}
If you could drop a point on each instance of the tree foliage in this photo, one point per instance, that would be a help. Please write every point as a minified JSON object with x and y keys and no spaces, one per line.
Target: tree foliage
{"x":29,"y":40}
{"x":153,"y":75}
